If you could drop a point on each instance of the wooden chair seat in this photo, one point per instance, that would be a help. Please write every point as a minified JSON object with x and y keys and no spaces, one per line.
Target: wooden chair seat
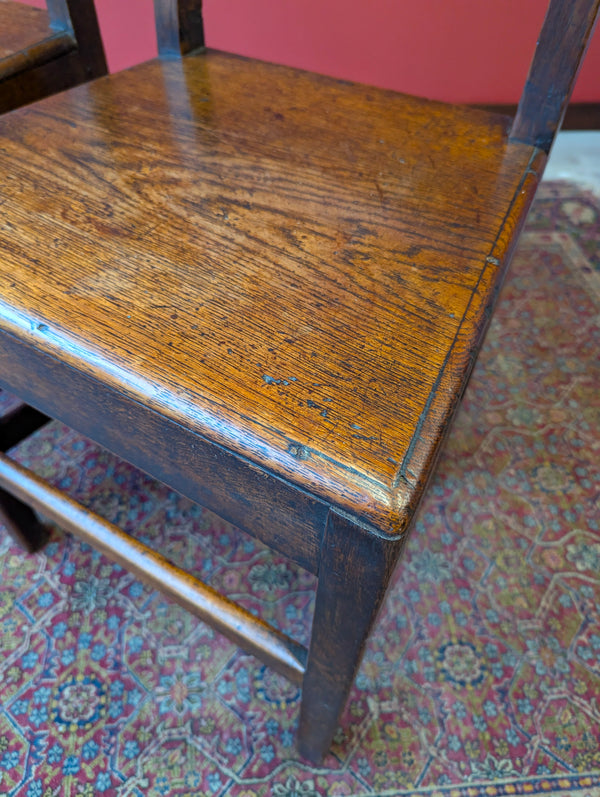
{"x":267,"y":289}
{"x":21,"y":27}
{"x":287,"y":283}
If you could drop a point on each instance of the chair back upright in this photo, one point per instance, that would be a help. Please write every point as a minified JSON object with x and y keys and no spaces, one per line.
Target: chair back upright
{"x":78,"y":17}
{"x":561,"y":47}
{"x":179,"y":26}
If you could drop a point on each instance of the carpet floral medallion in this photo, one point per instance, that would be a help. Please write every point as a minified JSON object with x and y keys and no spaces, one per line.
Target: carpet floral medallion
{"x":483,"y":675}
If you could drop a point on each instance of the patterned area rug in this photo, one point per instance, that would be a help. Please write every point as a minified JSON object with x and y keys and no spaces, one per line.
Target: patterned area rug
{"x":483,"y":675}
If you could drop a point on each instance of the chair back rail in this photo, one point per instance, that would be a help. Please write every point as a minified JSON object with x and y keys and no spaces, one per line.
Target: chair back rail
{"x":58,"y":11}
{"x":559,"y":53}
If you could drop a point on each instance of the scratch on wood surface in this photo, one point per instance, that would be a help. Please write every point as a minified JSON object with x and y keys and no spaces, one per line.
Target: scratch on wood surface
{"x":271,"y":380}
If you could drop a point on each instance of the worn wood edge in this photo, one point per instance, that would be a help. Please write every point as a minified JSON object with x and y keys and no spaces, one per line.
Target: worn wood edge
{"x":359,"y":496}
{"x":109,"y":405}
{"x":39,"y":54}
{"x":39,"y":83}
{"x":273,"y":647}
{"x":388,"y":507}
{"x":425,"y":447}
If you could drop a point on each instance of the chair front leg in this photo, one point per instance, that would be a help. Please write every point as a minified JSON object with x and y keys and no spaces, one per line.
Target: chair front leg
{"x":354,"y":572}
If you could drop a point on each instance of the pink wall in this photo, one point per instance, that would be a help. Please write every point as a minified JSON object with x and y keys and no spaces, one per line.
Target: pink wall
{"x":454,"y":50}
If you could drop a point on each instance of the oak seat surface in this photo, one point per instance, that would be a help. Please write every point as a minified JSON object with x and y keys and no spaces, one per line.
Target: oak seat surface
{"x":21,"y":26}
{"x":358,"y":233}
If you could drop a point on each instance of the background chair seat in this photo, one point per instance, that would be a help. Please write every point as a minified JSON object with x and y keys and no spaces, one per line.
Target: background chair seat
{"x":45,"y":51}
{"x":21,"y":26}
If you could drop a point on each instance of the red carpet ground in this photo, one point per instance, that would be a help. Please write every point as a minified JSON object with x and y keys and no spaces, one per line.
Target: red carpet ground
{"x":483,"y":676}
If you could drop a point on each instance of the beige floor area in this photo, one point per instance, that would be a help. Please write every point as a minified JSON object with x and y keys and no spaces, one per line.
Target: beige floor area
{"x":576,"y":157}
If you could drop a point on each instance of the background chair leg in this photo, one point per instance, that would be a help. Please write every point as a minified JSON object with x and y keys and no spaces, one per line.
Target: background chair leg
{"x":354,"y":571}
{"x":20,"y":520}
{"x":22,"y":523}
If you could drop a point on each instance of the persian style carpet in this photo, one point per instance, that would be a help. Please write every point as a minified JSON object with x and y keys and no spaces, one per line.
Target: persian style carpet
{"x":483,"y":675}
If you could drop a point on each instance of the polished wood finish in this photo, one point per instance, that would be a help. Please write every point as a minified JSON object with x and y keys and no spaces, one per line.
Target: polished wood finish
{"x":287,"y":519}
{"x":561,"y":46}
{"x":45,"y":52}
{"x":326,"y":373}
{"x":266,"y":288}
{"x":318,"y":361}
{"x":239,"y":625}
{"x":41,"y":52}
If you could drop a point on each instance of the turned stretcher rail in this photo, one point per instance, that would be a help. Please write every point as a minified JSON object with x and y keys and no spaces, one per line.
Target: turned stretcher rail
{"x":257,"y":637}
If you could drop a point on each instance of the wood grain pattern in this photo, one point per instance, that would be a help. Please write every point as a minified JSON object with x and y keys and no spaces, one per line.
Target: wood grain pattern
{"x":282,"y":516}
{"x":267,"y":289}
{"x":352,"y":227}
{"x":39,"y":55}
{"x":41,"y":52}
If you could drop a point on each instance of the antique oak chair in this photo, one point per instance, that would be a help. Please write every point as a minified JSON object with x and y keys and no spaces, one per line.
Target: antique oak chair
{"x":267,"y":289}
{"x":42,"y":52}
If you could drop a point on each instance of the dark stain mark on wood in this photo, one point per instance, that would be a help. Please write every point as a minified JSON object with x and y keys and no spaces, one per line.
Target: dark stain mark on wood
{"x":298,"y":451}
